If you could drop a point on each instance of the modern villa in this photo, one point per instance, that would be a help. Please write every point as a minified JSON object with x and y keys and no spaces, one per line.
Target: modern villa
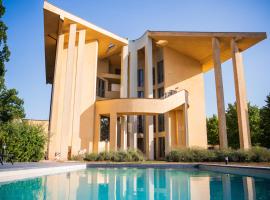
{"x":111,"y":93}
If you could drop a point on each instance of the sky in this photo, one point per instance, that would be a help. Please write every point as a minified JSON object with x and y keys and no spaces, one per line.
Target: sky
{"x":130,"y":19}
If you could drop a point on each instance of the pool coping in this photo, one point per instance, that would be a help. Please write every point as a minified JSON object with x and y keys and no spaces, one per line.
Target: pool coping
{"x":19,"y":174}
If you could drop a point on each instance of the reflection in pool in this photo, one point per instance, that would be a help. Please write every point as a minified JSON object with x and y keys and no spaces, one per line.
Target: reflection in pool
{"x":134,"y":183}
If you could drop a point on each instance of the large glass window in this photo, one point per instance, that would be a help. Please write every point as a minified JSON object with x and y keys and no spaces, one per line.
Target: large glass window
{"x":140,"y":78}
{"x":160,"y":71}
{"x":100,"y":88}
{"x":161,"y":123}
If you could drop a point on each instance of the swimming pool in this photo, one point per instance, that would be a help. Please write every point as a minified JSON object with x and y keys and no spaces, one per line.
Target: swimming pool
{"x":136,"y":183}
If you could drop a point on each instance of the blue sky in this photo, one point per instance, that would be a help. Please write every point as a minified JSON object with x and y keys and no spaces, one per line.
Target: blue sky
{"x":130,"y":19}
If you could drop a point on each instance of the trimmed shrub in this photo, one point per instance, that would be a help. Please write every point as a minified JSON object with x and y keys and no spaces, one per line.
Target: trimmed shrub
{"x":255,"y":154}
{"x":26,"y":142}
{"x":118,"y":156}
{"x":91,"y":157}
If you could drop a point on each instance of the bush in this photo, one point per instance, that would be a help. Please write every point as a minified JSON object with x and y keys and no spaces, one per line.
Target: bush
{"x":24,"y":141}
{"x":91,"y":157}
{"x":255,"y":154}
{"x":118,"y":156}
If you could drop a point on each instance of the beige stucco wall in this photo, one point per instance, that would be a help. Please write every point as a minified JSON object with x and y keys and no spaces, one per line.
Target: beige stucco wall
{"x":186,"y":73}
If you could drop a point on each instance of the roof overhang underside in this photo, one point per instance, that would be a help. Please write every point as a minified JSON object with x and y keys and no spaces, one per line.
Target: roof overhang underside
{"x":57,"y":21}
{"x":198,"y":45}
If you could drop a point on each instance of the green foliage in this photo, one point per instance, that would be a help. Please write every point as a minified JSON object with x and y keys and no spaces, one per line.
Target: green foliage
{"x":24,"y":141}
{"x":255,"y":154}
{"x":4,"y":51}
{"x":265,"y":123}
{"x":118,"y":156}
{"x":212,"y":130}
{"x":11,"y":106}
{"x":232,"y":127}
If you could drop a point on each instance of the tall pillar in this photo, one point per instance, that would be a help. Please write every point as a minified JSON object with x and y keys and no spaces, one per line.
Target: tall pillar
{"x":123,"y":132}
{"x":149,"y":133}
{"x":168,"y":130}
{"x":124,"y":94}
{"x":67,"y":124}
{"x":157,"y":140}
{"x":97,"y":134}
{"x":76,"y":141}
{"x":220,"y":94}
{"x":113,"y":132}
{"x":133,"y":66}
{"x":57,"y":96}
{"x":241,"y":98}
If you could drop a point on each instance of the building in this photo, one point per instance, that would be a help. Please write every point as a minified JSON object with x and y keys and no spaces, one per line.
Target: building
{"x":111,"y":93}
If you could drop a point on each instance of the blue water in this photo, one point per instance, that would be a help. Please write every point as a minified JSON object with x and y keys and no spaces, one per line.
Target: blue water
{"x":122,"y":183}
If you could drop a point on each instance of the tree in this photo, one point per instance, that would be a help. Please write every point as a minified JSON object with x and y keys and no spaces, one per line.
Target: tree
{"x":265,"y":123}
{"x":212,"y":130}
{"x":232,"y":125}
{"x":11,"y":106}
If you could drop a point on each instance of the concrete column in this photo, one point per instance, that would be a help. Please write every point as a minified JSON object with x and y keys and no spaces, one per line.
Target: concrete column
{"x":220,"y":94}
{"x":97,"y":134}
{"x":57,"y":93}
{"x":157,"y":140}
{"x":133,"y":66}
{"x":168,"y":140}
{"x":113,"y":132}
{"x":76,"y":141}
{"x":123,"y":132}
{"x":124,"y":73}
{"x":67,"y":123}
{"x":241,"y":98}
{"x":124,"y":94}
{"x":149,"y":133}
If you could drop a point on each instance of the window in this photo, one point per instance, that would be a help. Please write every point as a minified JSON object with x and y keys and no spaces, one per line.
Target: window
{"x":154,"y":123}
{"x":140,"y":94}
{"x":154,"y":76}
{"x":140,"y":124}
{"x":140,"y":78}
{"x":100,"y":88}
{"x":104,"y":128}
{"x":160,"y":92}
{"x":117,"y":71}
{"x":160,"y":71}
{"x":161,"y":124}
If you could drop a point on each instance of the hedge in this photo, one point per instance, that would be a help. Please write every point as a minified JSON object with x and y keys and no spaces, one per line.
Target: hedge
{"x":24,"y":141}
{"x":117,"y":156}
{"x":255,"y":154}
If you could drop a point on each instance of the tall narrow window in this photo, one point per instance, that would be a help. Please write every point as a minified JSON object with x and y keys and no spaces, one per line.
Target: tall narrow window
{"x":154,"y":76}
{"x":140,"y":78}
{"x":160,"y":92}
{"x":161,"y":123}
{"x":100,"y":88}
{"x":140,"y":94}
{"x":160,"y":71}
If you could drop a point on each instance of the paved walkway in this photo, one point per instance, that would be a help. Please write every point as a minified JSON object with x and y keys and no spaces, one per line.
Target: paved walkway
{"x":34,"y":165}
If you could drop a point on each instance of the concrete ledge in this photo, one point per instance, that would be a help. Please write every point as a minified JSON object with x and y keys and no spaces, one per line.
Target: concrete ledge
{"x":142,"y":165}
{"x":13,"y":175}
{"x":262,"y":172}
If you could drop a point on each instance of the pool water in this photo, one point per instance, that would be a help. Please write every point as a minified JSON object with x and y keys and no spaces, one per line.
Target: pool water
{"x":134,"y":183}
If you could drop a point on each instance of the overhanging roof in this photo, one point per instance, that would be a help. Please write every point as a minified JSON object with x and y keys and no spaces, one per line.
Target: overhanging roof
{"x":56,"y":20}
{"x":198,"y":45}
